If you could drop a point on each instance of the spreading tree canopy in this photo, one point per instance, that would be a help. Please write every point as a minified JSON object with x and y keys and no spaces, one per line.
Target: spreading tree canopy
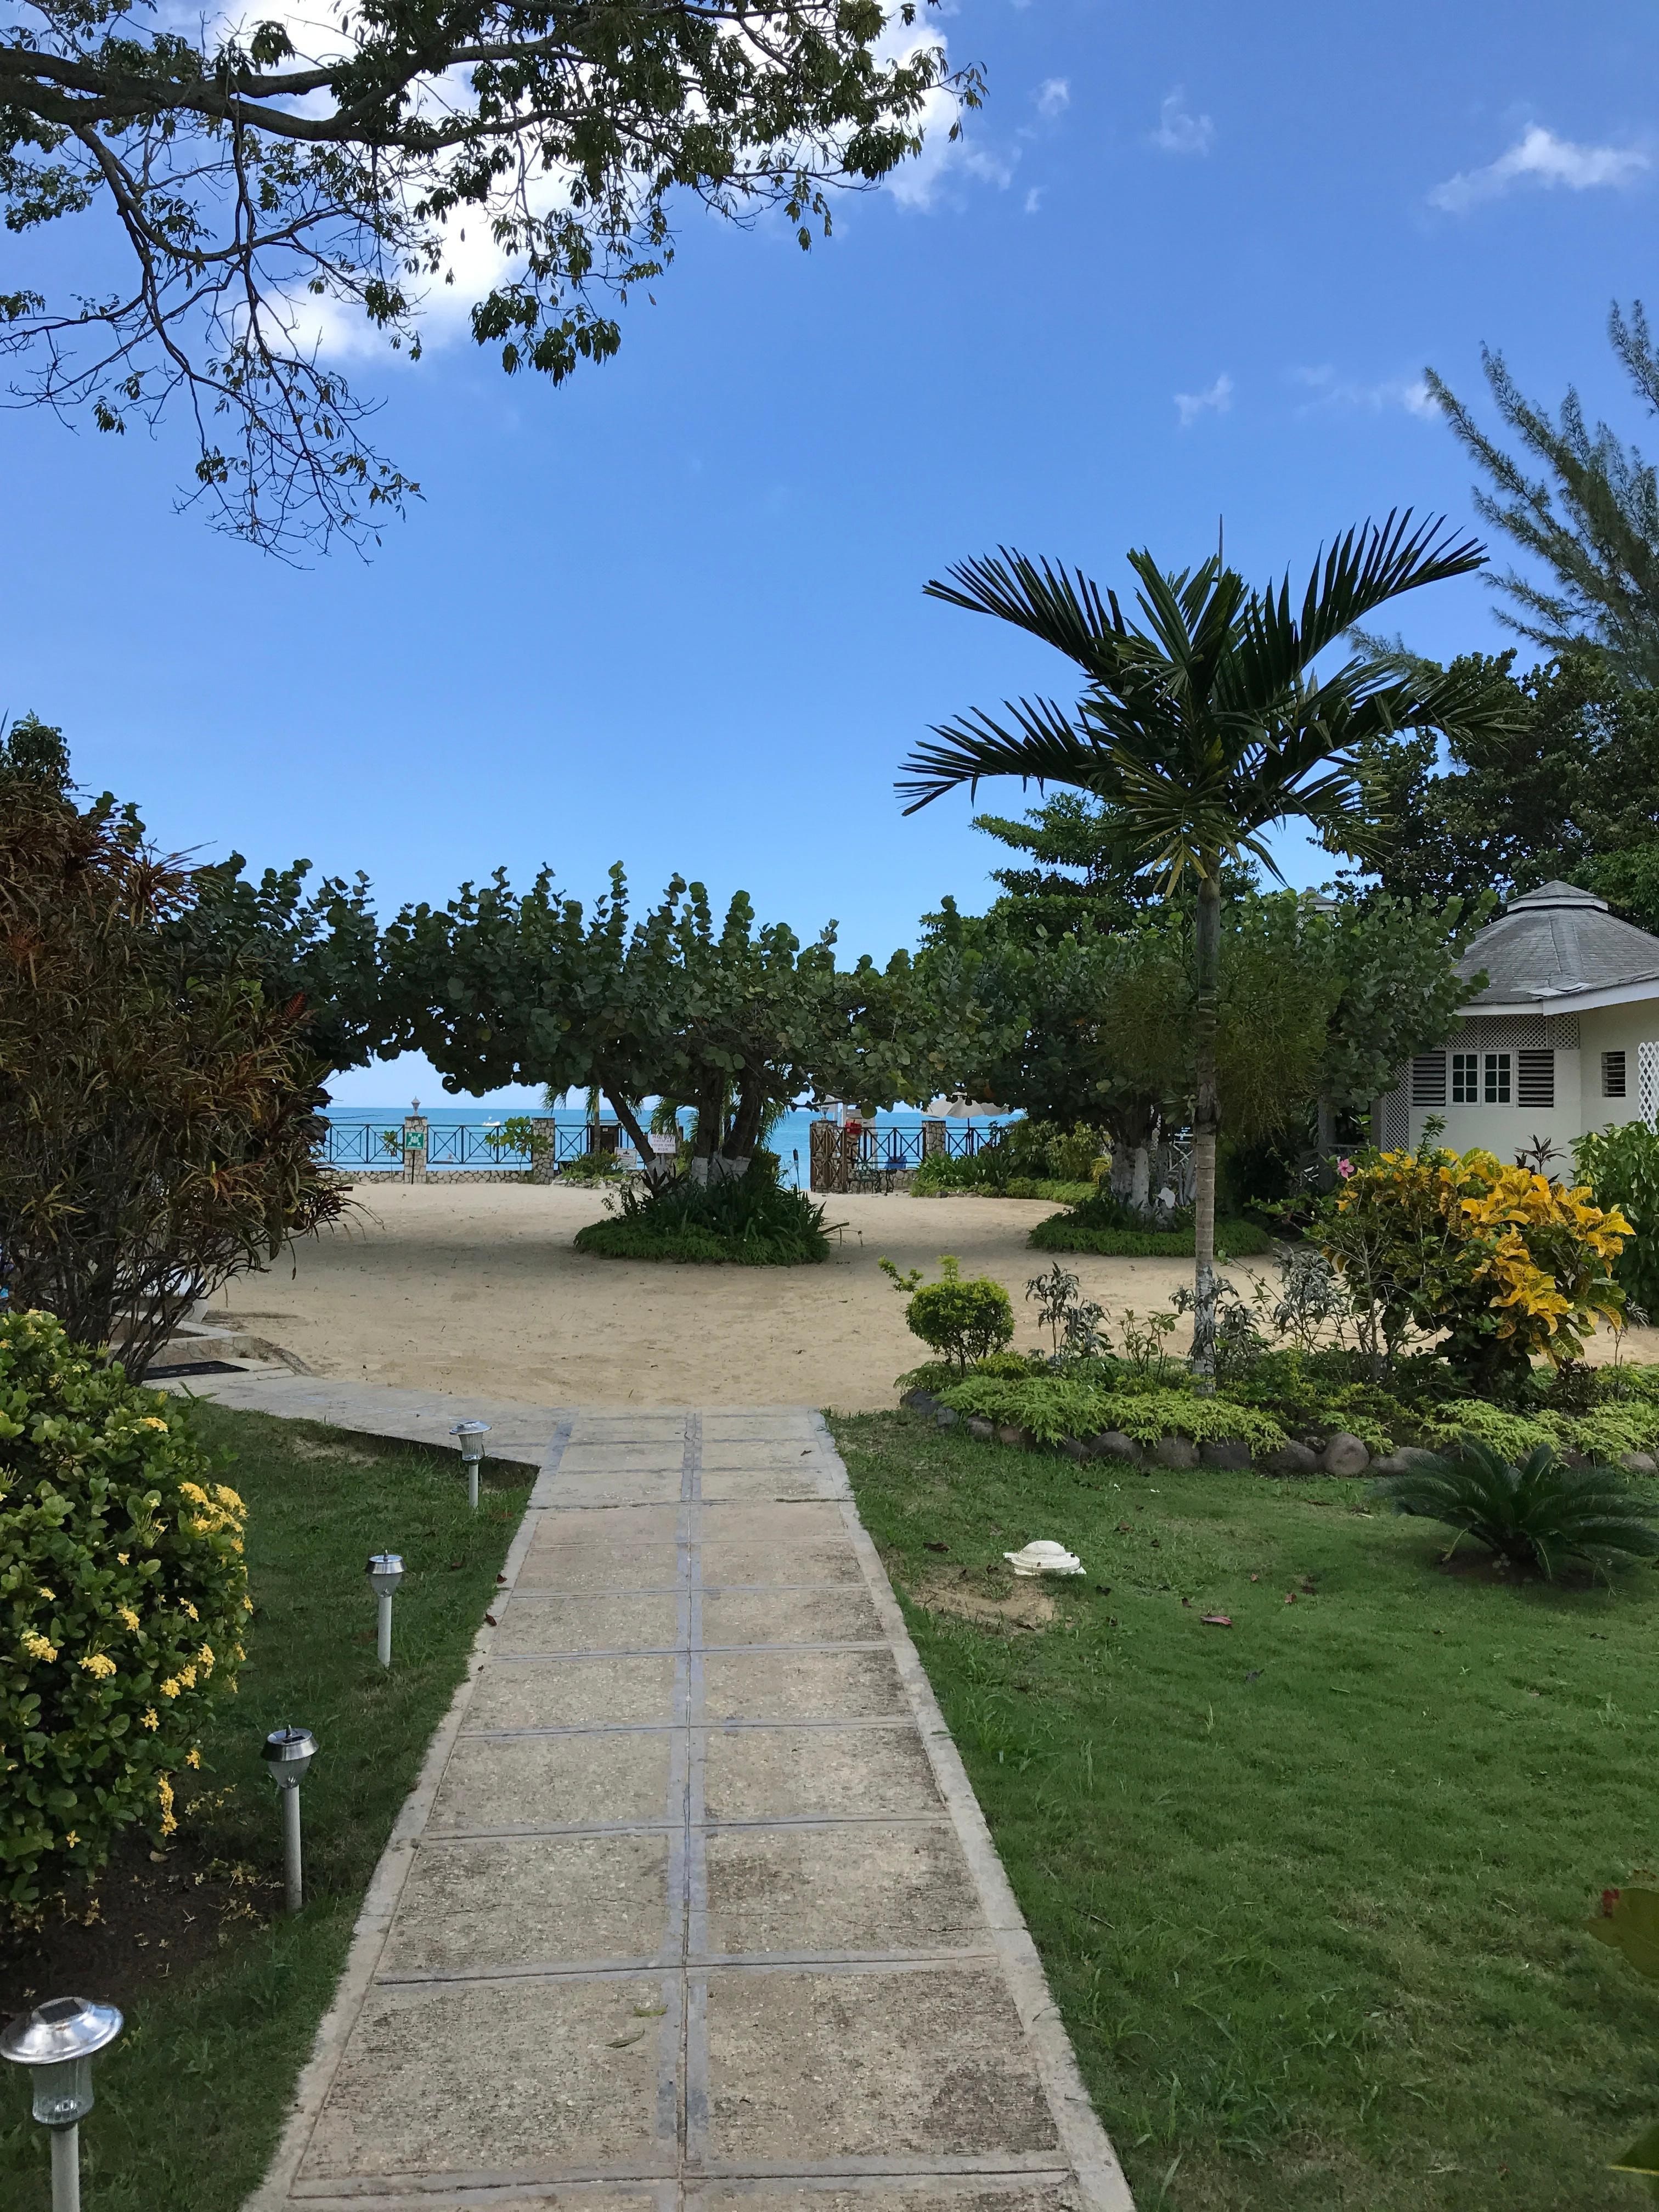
{"x":266,"y":182}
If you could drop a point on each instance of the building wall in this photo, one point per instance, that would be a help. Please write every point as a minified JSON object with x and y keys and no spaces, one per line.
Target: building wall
{"x":1576,"y":1045}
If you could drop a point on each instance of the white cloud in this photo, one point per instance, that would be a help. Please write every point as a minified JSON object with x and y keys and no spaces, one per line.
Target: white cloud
{"x":1034,"y":199}
{"x":1189,"y":405}
{"x":1052,"y":97}
{"x":919,"y":183}
{"x":1330,"y":390}
{"x":1538,"y":157}
{"x":1178,"y":131}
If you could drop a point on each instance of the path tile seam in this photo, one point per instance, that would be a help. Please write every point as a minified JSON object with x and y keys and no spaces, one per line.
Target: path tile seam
{"x":1099,"y":2175}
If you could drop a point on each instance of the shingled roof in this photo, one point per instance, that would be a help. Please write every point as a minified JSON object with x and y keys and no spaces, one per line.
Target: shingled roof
{"x":1557,"y":943}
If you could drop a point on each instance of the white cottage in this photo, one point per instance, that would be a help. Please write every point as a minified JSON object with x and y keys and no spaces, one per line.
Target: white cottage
{"x":1563,"y":1038}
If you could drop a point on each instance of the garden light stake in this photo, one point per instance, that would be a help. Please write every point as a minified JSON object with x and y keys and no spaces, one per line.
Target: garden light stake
{"x":56,"y":2042}
{"x":290,"y":1752}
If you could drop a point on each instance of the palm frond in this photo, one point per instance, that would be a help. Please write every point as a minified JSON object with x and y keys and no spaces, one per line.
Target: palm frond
{"x":1063,"y":607}
{"x":1363,"y":570}
{"x":1542,"y":1515}
{"x":1043,"y":746}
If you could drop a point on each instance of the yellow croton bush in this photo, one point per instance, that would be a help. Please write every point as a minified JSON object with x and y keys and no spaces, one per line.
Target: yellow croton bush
{"x":1506,"y":1262}
{"x":122,"y":1592}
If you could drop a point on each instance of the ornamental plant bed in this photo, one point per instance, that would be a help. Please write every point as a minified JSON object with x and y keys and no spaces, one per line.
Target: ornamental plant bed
{"x":1066,"y":1233}
{"x":1309,"y":1889}
{"x":223,"y":1993}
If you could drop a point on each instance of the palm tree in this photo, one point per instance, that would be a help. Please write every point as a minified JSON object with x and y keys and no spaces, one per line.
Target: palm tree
{"x":1205,"y":727}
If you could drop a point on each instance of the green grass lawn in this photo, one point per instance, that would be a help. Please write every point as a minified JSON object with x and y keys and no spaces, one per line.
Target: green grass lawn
{"x":223,"y":1995}
{"x":1309,"y":1889}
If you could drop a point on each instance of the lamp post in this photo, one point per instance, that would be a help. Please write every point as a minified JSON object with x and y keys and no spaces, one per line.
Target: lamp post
{"x":472,"y":1434}
{"x":289,"y":1752}
{"x":385,"y":1571}
{"x":56,"y":2041}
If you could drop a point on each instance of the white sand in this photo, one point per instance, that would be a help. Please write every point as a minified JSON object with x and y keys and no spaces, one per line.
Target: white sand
{"x":476,"y":1289}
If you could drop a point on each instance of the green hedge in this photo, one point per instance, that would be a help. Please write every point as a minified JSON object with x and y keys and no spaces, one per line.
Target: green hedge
{"x":1063,"y":1232}
{"x":1056,"y":1408}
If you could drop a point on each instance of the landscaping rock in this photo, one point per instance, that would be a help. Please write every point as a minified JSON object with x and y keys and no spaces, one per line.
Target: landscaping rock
{"x":1112,"y":1443}
{"x":1346,"y":1454}
{"x":1639,"y":1463}
{"x":1074,"y":1448}
{"x":919,"y":1402}
{"x":1227,"y":1453}
{"x":979,"y":1426}
{"x":1010,"y":1432}
{"x":1291,"y":1459}
{"x":946,"y":1417}
{"x":1176,"y":1451}
{"x":1404,"y":1462}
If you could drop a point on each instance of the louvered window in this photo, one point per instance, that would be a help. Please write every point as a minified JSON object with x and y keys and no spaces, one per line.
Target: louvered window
{"x":1613,"y":1075}
{"x":1429,"y":1080}
{"x":1535,"y":1079}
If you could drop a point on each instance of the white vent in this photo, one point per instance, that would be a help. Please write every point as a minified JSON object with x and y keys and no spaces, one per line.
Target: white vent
{"x":1535,"y":1079}
{"x":1429,"y":1080}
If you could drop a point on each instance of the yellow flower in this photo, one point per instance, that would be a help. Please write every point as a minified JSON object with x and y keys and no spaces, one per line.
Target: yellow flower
{"x":72,"y":1840}
{"x":164,"y":1794}
{"x":194,"y":1492}
{"x":248,"y":1604}
{"x":122,"y":1557}
{"x":36,"y":1645}
{"x":99,"y":1665}
{"x":48,"y":1594}
{"x":149,"y":1720}
{"x":125,"y":1613}
{"x":228,"y":1498}
{"x":170,"y":1687}
{"x":192,"y":1757}
{"x":204,"y":1658}
{"x":191,"y":1611}
{"x":149,"y":1421}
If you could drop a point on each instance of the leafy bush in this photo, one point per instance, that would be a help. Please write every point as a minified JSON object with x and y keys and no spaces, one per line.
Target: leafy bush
{"x":745,"y":1221}
{"x":1054,"y":1407}
{"x":1025,"y":1159}
{"x":1541,"y":1516}
{"x":963,"y":1317}
{"x":1621,"y":1165}
{"x":161,"y":1124}
{"x":1075,"y":1233}
{"x":123,"y":1590}
{"x":1504,"y":1261}
{"x":591,"y":1167}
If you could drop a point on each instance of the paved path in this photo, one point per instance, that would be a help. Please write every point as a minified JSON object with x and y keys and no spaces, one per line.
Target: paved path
{"x":518,"y":1431}
{"x":692,"y":1906}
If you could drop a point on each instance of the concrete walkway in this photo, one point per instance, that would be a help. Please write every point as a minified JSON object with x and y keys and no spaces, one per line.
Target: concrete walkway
{"x":692,"y":1904}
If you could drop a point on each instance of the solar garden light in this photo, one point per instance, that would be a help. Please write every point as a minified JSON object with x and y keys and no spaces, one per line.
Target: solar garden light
{"x":385,"y":1571}
{"x":56,"y":2040}
{"x":472,"y":1434}
{"x":290,"y":1752}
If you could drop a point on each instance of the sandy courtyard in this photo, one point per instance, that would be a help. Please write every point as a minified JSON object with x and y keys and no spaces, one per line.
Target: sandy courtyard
{"x":476,"y":1289}
{"x":450,"y":1287}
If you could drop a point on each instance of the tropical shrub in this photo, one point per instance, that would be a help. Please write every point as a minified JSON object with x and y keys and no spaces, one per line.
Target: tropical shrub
{"x":1621,"y":1165}
{"x":1054,"y":1407}
{"x":1102,"y":1224}
{"x":161,"y":1123}
{"x":1541,"y":1516}
{"x":1504,"y":1261}
{"x":744,"y":1221}
{"x":122,"y":1592}
{"x":963,"y":1318}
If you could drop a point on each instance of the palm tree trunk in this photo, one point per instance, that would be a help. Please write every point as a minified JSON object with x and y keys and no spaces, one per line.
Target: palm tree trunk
{"x":1206,"y":1117}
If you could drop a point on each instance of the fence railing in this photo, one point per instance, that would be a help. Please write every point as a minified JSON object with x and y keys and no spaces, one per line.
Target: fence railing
{"x":387,"y":1146}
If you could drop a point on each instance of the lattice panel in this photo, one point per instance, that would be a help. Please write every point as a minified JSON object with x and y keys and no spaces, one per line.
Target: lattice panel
{"x":1647,"y":1082}
{"x":1519,"y":1032}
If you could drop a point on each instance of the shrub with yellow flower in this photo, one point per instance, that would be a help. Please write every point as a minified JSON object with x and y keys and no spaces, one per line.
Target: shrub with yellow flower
{"x":1502,"y":1264}
{"x":121,"y":1574}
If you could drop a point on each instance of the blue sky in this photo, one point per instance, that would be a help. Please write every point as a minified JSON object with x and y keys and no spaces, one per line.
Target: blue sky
{"x":1185,"y":262}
